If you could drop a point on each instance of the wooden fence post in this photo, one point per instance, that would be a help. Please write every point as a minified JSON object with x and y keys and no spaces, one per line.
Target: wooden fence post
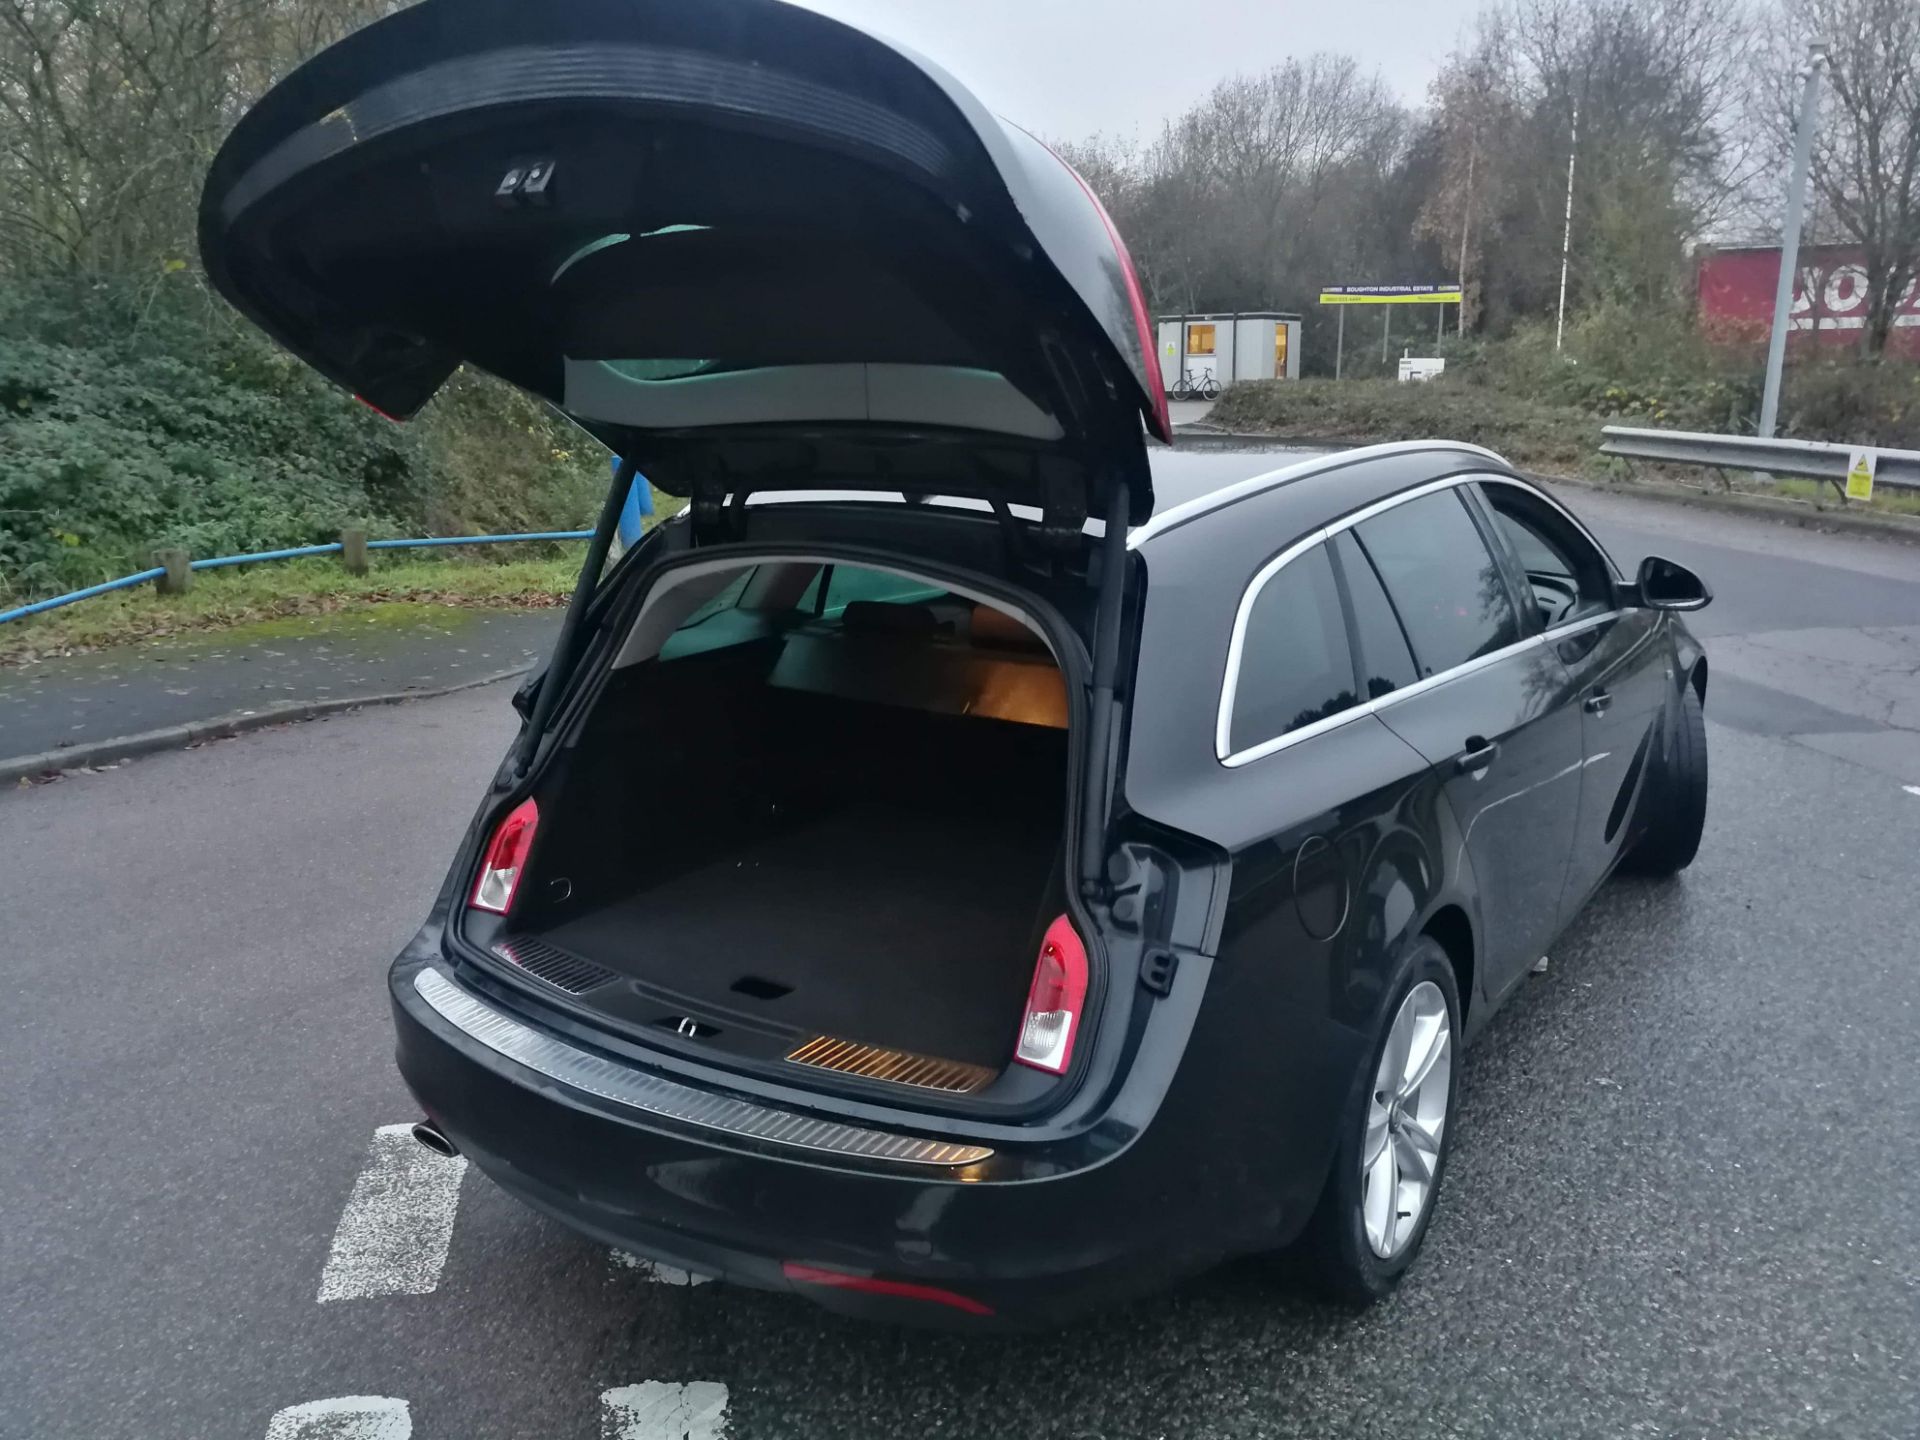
{"x":179,"y":567}
{"x":353,"y":549}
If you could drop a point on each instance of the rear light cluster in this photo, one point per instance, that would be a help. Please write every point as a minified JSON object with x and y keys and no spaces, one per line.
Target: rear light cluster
{"x":1054,"y":1002}
{"x":506,"y":858}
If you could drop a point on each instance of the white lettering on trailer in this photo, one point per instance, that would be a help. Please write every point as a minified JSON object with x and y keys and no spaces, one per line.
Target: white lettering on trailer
{"x":655,"y":1410}
{"x":393,"y":1235}
{"x":655,"y":1271}
{"x":351,"y":1417}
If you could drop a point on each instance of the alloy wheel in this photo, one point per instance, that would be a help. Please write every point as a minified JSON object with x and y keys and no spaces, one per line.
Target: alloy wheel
{"x":1405,"y":1117}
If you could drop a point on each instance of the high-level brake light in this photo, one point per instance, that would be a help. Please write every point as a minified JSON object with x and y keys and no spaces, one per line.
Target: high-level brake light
{"x":506,"y":858}
{"x":1055,"y":1000}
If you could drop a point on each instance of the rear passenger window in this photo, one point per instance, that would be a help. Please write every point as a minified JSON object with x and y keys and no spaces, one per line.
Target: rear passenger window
{"x":849,"y":583}
{"x":1444,"y":583}
{"x":1384,"y":655}
{"x":1295,"y":667}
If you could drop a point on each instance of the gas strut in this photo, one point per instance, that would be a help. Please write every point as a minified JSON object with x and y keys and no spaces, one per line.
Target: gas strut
{"x":565,"y":646}
{"x":1106,"y":663}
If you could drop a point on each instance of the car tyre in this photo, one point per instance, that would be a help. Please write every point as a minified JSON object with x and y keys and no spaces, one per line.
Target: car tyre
{"x":1340,"y":1250}
{"x":1680,"y":816}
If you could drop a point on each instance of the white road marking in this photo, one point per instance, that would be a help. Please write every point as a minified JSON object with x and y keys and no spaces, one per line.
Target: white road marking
{"x":659,"y":1411}
{"x":653,"y":1270}
{"x":1911,"y":789}
{"x":394,"y":1233}
{"x":351,"y":1417}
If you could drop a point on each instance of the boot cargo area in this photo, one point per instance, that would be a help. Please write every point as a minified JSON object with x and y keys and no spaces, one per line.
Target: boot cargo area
{"x":826,"y":828}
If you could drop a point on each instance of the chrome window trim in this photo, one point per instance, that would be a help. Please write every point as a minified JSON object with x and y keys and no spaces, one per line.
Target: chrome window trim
{"x":1236,"y":645}
{"x":1419,"y":687}
{"x":1223,"y":722}
{"x":1313,"y":465}
{"x":640,"y":1090}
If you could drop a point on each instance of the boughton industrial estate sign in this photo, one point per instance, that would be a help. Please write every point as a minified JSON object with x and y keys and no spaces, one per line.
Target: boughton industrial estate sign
{"x":1390,"y":295}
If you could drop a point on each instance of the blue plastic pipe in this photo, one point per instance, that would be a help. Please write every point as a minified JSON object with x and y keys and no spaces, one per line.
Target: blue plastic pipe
{"x":125,"y":582}
{"x":476,"y":539}
{"x":297,"y":553}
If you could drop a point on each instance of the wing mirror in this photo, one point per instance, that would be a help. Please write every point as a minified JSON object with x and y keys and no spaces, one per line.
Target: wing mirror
{"x":1667,"y":585}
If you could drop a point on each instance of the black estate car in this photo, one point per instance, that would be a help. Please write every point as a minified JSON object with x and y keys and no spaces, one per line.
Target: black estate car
{"x":929,"y":879}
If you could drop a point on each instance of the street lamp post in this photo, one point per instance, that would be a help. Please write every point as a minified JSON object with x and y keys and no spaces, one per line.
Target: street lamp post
{"x":1790,"y":238}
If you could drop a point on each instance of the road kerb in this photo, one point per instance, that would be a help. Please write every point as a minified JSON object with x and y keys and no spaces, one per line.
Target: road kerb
{"x":93,"y":753}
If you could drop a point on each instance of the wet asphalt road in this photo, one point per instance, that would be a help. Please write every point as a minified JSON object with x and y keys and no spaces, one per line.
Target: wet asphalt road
{"x":1680,"y":1202}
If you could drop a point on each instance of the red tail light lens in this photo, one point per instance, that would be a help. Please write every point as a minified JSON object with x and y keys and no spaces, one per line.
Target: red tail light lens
{"x":1054,"y":1002}
{"x":1162,"y":421}
{"x":506,"y":858}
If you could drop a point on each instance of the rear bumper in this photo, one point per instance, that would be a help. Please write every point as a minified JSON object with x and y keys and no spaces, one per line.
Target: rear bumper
{"x":1033,"y":1234}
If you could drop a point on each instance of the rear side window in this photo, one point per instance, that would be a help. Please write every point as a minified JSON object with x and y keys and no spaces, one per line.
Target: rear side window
{"x":1385,"y":657}
{"x":1295,"y":666}
{"x":1445,"y":586}
{"x":848,"y":583}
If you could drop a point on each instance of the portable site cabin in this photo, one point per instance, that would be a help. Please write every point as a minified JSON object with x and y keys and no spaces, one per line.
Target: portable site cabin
{"x":1246,"y":345}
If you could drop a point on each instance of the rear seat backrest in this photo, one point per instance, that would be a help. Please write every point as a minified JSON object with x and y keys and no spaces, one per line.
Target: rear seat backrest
{"x":902,"y":655}
{"x":998,"y":630}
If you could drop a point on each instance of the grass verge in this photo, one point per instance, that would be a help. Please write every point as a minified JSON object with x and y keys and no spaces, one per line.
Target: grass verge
{"x":1539,"y":435}
{"x":224,"y":598}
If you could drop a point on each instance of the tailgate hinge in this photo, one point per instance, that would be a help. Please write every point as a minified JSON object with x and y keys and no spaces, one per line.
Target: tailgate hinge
{"x":1063,"y":515}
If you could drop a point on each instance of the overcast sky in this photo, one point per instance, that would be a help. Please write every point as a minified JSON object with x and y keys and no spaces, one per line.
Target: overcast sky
{"x":1067,"y":69}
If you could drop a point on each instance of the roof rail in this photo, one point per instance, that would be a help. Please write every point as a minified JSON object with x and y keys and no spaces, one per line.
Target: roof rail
{"x":1314,"y":465}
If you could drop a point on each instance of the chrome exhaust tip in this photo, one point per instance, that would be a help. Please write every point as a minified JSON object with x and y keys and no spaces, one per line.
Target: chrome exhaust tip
{"x":434,"y":1140}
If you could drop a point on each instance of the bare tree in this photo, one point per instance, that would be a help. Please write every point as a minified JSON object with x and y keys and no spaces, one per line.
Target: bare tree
{"x":1474,"y":120}
{"x":1866,"y":152}
{"x":110,"y":111}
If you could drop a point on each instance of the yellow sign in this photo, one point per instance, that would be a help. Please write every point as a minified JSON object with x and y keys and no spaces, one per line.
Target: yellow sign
{"x":1860,"y":475}
{"x":1389,"y":295}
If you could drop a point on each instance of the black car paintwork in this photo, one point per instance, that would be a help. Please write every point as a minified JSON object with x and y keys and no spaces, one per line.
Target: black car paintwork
{"x":1286,"y":890}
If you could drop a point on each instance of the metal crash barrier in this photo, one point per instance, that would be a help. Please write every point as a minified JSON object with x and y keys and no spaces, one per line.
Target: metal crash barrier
{"x":1813,"y":459}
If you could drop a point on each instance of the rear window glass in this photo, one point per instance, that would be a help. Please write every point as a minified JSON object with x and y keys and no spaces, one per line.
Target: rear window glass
{"x":1444,"y":583}
{"x":726,"y":599}
{"x":864,"y":635}
{"x":1295,"y":666}
{"x":1384,"y":653}
{"x":847,"y":583}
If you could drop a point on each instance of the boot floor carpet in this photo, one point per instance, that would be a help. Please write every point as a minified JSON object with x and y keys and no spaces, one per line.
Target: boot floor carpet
{"x":874,"y":923}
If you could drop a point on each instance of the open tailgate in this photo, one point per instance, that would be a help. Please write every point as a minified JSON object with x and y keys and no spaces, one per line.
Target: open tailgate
{"x":748,"y":246}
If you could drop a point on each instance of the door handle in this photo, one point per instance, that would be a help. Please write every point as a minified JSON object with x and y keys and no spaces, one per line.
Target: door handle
{"x":1597,"y":703}
{"x":1477,"y":756}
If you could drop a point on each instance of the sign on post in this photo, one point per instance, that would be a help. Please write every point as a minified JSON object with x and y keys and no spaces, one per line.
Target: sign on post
{"x":1390,"y":295}
{"x":1860,"y":475}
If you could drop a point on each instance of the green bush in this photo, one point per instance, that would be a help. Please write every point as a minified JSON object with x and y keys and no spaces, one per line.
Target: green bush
{"x":1528,"y":432}
{"x":1853,"y":402}
{"x":1543,"y":406}
{"x":131,"y":420}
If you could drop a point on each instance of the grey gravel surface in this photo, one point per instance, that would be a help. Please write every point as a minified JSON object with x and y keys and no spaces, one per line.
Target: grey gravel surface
{"x":1680,"y":1202}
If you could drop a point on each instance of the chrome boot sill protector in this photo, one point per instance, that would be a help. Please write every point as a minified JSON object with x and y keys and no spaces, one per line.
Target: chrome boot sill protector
{"x":656,"y":1095}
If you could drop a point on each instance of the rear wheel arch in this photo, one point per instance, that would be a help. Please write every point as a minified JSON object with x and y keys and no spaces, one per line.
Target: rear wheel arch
{"x":1453,"y":932}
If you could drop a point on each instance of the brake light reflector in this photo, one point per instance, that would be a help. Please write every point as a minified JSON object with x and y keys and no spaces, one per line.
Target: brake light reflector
{"x":874,"y":1285}
{"x":506,"y":857}
{"x":1054,"y":1002}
